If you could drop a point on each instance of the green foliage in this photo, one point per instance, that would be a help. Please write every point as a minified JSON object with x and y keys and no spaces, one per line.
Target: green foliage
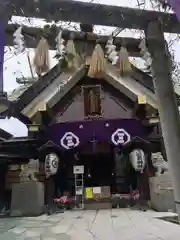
{"x":66,"y":62}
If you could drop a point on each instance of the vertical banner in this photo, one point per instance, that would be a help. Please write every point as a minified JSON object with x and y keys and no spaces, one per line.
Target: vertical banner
{"x":175,"y":4}
{"x":2,"y":42}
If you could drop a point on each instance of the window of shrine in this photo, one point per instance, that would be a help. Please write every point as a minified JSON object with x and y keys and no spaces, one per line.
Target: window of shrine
{"x":92,"y":101}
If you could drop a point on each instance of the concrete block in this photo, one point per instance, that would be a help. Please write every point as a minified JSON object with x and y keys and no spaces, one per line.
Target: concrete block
{"x":161,"y":193}
{"x":27,"y":199}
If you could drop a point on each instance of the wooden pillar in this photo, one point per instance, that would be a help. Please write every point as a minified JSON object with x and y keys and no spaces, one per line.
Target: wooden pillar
{"x":49,"y":190}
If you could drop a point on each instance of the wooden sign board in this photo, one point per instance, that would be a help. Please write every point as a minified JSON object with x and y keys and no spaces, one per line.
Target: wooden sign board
{"x":78,"y":169}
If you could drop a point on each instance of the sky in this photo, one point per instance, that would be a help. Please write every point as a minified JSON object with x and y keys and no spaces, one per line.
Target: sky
{"x":17,"y":65}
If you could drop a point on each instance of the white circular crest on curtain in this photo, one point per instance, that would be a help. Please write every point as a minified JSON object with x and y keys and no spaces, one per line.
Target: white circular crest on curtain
{"x":120,"y":136}
{"x":69,"y":140}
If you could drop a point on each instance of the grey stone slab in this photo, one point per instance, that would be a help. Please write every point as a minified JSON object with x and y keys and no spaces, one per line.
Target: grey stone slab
{"x":88,"y":225}
{"x":31,"y":238}
{"x":161,"y":192}
{"x":43,"y":217}
{"x":9,"y":236}
{"x":31,"y":224}
{"x":62,"y":236}
{"x":27,"y":199}
{"x":34,"y":238}
{"x":17,"y":230}
{"x":7,"y":226}
{"x":49,"y":238}
{"x":31,"y":234}
{"x":47,"y":224}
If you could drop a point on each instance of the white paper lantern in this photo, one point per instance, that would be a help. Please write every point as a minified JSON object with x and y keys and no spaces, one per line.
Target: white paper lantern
{"x":138,"y":160}
{"x":51,"y":164}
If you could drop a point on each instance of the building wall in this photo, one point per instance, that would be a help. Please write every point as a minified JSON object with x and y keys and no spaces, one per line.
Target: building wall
{"x":111,"y":108}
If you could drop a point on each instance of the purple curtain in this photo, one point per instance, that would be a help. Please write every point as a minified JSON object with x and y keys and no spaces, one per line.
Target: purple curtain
{"x":175,"y":4}
{"x":96,"y":130}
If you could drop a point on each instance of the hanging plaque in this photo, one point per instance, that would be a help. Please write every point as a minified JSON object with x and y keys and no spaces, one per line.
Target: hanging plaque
{"x":142,"y":99}
{"x":79,"y":169}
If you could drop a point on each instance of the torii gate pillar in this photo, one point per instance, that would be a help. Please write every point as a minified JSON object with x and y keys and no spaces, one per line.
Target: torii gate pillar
{"x":167,"y":106}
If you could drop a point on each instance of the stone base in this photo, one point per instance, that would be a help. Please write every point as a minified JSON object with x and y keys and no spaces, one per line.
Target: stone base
{"x":161,"y":193}
{"x":27,"y":199}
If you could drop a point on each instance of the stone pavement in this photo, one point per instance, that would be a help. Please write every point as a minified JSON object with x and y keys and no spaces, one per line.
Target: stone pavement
{"x":112,"y":224}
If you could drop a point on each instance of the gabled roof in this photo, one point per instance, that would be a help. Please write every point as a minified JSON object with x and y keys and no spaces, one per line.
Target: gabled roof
{"x":137,"y":83}
{"x":33,"y":91}
{"x":124,"y":85}
{"x":143,"y":78}
{"x":39,"y":102}
{"x":52,"y":84}
{"x":44,"y":82}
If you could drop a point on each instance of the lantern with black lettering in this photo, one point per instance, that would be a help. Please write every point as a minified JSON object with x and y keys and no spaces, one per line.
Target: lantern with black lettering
{"x":138,"y":160}
{"x":51,"y":164}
